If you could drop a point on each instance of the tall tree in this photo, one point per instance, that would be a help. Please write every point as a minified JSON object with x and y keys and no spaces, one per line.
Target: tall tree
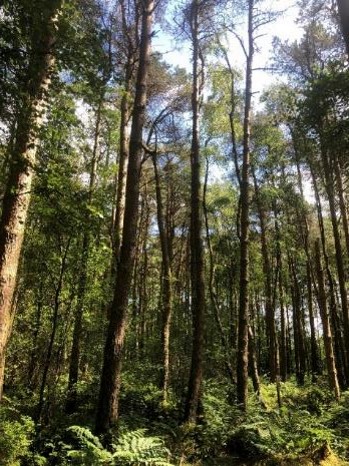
{"x":268,"y":276}
{"x":242,"y":358}
{"x":22,"y":161}
{"x":128,"y":45}
{"x":196,"y":15}
{"x":330,"y":359}
{"x":108,"y":406}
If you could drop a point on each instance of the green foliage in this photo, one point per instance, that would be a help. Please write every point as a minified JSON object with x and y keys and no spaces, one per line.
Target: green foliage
{"x":219,"y":414}
{"x":209,"y":437}
{"x":73,"y":209}
{"x":136,"y":449}
{"x":250,"y":441}
{"x":308,"y":424}
{"x":89,"y":449}
{"x":78,"y":446}
{"x":300,"y":428}
{"x":16,"y":432}
{"x":336,"y":417}
{"x":140,"y":399}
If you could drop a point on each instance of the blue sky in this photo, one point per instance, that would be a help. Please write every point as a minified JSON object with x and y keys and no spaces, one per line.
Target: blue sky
{"x":284,"y":27}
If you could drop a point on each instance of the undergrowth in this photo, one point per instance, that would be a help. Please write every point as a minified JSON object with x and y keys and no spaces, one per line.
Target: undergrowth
{"x":308,"y":428}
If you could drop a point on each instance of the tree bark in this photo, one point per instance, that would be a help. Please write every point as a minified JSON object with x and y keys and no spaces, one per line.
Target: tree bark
{"x":118,"y":215}
{"x":196,"y":246}
{"x":108,"y":405}
{"x":166,"y":285}
{"x":283,"y":329}
{"x":253,"y":362}
{"x":242,"y":354}
{"x":315,"y":357}
{"x":329,"y":185}
{"x":298,"y":329}
{"x":343,"y":9}
{"x":267,"y":271}
{"x":342,"y":369}
{"x":330,"y":359}
{"x":342,"y":203}
{"x":22,"y":161}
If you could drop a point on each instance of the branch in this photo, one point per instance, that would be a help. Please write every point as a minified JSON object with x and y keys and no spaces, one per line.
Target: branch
{"x":241,"y":43}
{"x":148,"y":150}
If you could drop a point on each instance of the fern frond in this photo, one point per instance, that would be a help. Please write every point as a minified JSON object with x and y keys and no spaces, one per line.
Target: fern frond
{"x":135,"y":448}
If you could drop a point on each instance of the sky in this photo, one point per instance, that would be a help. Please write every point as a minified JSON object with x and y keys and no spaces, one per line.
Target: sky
{"x":284,"y":27}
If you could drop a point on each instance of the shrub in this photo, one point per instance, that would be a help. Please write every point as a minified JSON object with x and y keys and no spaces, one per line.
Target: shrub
{"x":16,"y":432}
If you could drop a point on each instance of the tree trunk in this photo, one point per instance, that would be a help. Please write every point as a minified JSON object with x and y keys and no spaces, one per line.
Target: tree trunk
{"x":55,"y":323}
{"x":242,"y":354}
{"x":343,"y":9}
{"x":108,"y":406}
{"x":22,"y":160}
{"x":302,"y":215}
{"x":329,"y":185}
{"x":77,"y":332}
{"x":166,"y":285}
{"x":34,"y":353}
{"x":315,"y":357}
{"x":196,"y":246}
{"x":212,"y":291}
{"x":253,"y":362}
{"x":298,"y":329}
{"x":118,"y":215}
{"x":283,"y":330}
{"x":342,"y":206}
{"x":330,"y":360}
{"x":283,"y":334}
{"x":267,"y":271}
{"x":338,"y":340}
{"x":143,"y":275}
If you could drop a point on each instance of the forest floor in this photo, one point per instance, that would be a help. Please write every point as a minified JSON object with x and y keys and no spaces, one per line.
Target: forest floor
{"x":309,"y":428}
{"x":331,"y":460}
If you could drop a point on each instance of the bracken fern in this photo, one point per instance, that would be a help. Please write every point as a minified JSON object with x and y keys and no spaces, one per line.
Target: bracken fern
{"x":136,"y":449}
